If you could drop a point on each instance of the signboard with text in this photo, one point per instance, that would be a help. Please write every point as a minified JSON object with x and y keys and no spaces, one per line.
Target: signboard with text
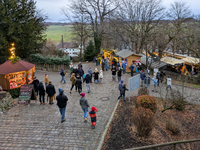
{"x":26,"y":94}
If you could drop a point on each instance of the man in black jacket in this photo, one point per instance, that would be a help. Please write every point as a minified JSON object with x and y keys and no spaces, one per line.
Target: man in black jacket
{"x":62,"y":103}
{"x":50,"y":90}
{"x":75,"y":71}
{"x":79,"y":84}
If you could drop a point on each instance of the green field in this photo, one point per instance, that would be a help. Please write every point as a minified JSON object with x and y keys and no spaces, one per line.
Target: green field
{"x":54,"y":32}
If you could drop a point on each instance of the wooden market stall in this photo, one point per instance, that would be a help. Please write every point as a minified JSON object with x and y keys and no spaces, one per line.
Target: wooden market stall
{"x":13,"y":75}
{"x":130,"y":57}
{"x":110,"y":54}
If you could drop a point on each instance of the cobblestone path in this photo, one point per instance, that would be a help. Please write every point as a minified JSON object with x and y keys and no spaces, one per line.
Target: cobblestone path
{"x":38,"y":127}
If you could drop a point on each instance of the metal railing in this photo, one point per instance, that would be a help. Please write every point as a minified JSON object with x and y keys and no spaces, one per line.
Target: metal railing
{"x":164,"y":144}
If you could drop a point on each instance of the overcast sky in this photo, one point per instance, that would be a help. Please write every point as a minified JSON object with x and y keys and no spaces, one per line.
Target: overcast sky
{"x":52,"y":7}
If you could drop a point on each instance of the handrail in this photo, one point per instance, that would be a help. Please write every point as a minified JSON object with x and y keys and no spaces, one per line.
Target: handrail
{"x":164,"y":144}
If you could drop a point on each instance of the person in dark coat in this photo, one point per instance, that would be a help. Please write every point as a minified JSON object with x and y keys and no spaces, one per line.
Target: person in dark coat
{"x":75,"y":71}
{"x":81,"y":72}
{"x":158,"y":77}
{"x":142,"y":77}
{"x":35,"y":84}
{"x":162,"y":75}
{"x":62,"y":103}
{"x":119,"y":74}
{"x":87,"y":79}
{"x":62,"y":73}
{"x":113,"y":73}
{"x":80,"y":65}
{"x":93,"y":117}
{"x":96,"y":75}
{"x":132,"y":69}
{"x":90,"y":73}
{"x":41,"y":90}
{"x":79,"y":84}
{"x":50,"y":90}
{"x":103,"y":64}
{"x":122,"y":91}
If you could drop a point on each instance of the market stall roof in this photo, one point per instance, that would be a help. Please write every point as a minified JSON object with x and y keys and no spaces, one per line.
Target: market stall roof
{"x":126,"y":53}
{"x":21,"y":65}
{"x":171,"y":61}
{"x":191,"y":60}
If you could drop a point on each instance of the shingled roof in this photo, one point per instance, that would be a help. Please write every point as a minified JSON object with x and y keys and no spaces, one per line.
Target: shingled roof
{"x":21,"y":65}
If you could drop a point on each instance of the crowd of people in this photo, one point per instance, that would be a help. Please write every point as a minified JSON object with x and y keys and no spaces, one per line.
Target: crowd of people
{"x":78,"y":76}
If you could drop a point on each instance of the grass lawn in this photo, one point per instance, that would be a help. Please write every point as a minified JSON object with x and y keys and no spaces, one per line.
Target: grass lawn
{"x":54,"y":32}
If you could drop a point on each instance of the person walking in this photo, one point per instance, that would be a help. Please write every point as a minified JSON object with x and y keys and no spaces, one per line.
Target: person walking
{"x":46,"y":81}
{"x":62,"y":103}
{"x":84,"y":105}
{"x":81,"y":72}
{"x":80,"y":65}
{"x":106,"y":64}
{"x":87,"y":79}
{"x":154,"y":84}
{"x":142,"y":77}
{"x":62,"y":73}
{"x":71,"y":68}
{"x":124,"y":67}
{"x":119,"y":74}
{"x":93,"y":117}
{"x":122,"y":92}
{"x":103,"y":64}
{"x":162,"y":75}
{"x":169,"y":83}
{"x":79,"y":84}
{"x":75,"y":71}
{"x":132,"y":69}
{"x":120,"y":84}
{"x":113,"y":73}
{"x":50,"y":90}
{"x":158,"y":77}
{"x":41,"y":90}
{"x":73,"y":81}
{"x":90,"y":73}
{"x":35,"y":84}
{"x":96,"y":76}
{"x":101,"y":76}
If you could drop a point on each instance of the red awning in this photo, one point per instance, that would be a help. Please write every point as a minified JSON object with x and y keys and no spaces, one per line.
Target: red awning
{"x":19,"y":66}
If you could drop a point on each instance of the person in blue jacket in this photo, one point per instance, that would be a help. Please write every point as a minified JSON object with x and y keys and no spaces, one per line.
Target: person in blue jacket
{"x":154,"y":84}
{"x":132,"y":68}
{"x":124,"y":67}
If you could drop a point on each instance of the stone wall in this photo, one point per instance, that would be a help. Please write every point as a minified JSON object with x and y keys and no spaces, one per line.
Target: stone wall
{"x":6,"y":101}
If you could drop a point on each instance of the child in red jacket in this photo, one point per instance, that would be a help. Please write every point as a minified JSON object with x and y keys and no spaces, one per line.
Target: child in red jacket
{"x":93,"y":117}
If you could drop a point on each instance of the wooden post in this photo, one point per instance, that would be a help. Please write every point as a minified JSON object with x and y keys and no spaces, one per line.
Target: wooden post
{"x":174,"y":146}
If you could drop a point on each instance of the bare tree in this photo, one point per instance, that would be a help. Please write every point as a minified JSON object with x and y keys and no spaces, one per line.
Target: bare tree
{"x":179,"y":14}
{"x":80,"y":26}
{"x":96,"y":12}
{"x":139,"y":20}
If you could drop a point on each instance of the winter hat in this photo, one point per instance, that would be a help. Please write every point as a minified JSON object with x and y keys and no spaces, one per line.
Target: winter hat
{"x":82,"y":94}
{"x":141,"y":71}
{"x":60,"y":89}
{"x":93,"y":108}
{"x":61,"y":92}
{"x":50,"y":82}
{"x":122,"y":80}
{"x":41,"y":81}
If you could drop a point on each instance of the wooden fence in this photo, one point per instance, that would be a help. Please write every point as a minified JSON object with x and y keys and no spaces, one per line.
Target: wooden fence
{"x":53,"y":68}
{"x":165,"y":144}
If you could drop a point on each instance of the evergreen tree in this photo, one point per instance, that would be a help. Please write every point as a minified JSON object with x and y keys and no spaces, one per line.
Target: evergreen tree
{"x":89,"y":53}
{"x":22,"y":24}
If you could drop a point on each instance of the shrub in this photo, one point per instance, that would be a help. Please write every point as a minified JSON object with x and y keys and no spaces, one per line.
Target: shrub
{"x":143,"y":119}
{"x":147,"y":101}
{"x":143,"y":91}
{"x":173,"y":126}
{"x":14,"y":92}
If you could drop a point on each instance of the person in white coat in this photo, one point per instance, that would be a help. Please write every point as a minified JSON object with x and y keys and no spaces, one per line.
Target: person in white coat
{"x":101,"y":76}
